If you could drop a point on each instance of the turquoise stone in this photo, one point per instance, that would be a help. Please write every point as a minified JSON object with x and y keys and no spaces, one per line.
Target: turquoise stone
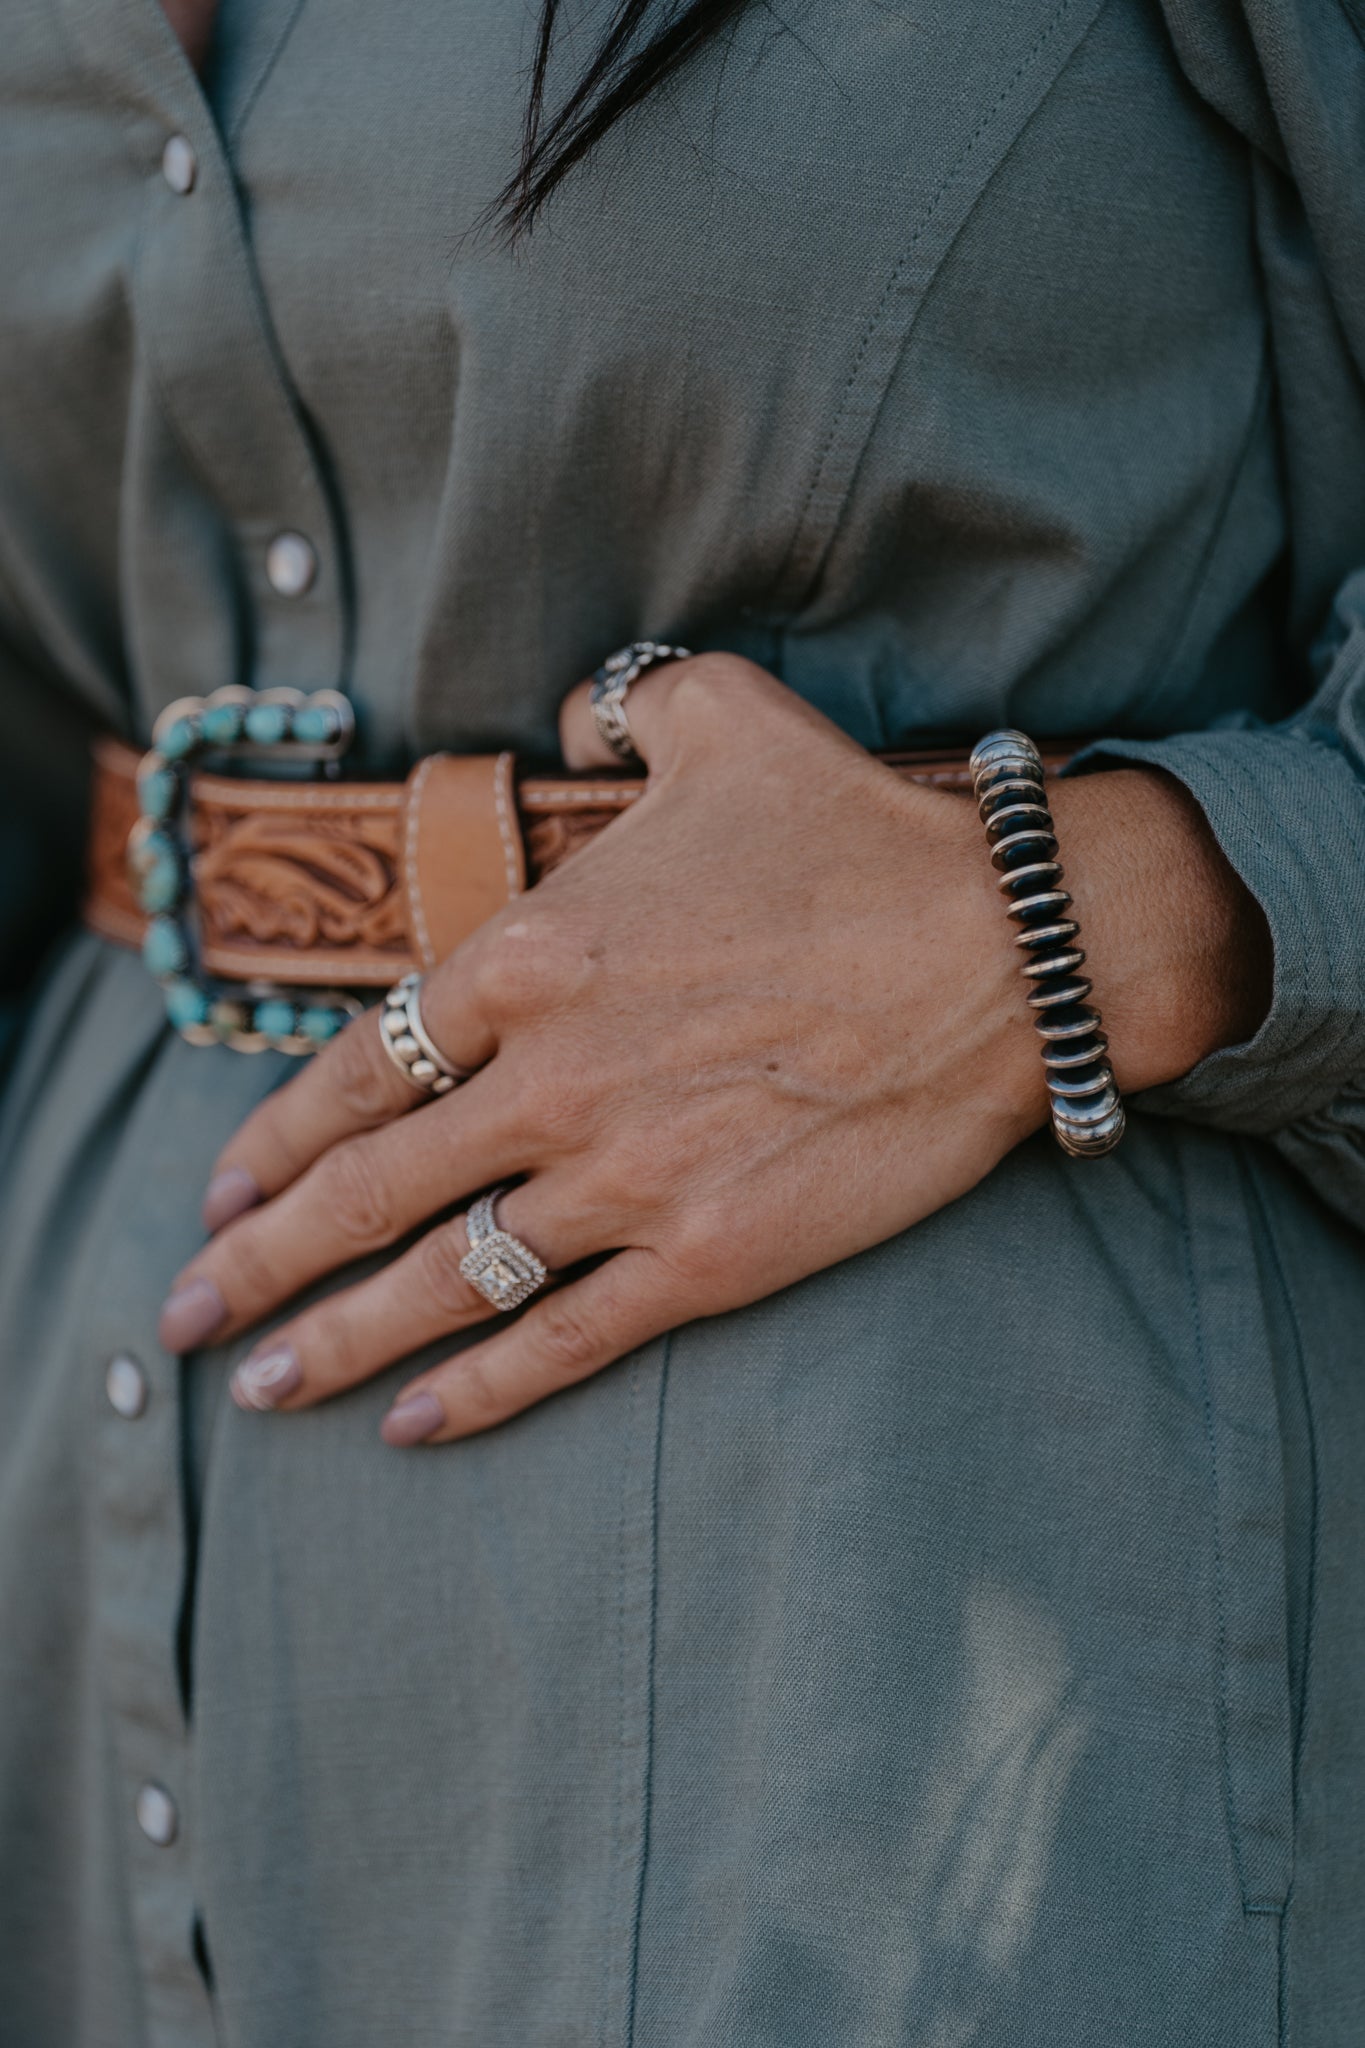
{"x":228,"y":1017}
{"x":180,"y":738}
{"x":156,"y":865}
{"x":320,"y":1024}
{"x":315,"y":724}
{"x":221,"y":724}
{"x":157,"y":789}
{"x":186,"y":1004}
{"x":267,"y":724}
{"x":274,"y":1017}
{"x":163,"y":948}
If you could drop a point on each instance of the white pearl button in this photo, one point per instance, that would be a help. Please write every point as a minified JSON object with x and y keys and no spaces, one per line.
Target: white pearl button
{"x":290,"y":564}
{"x":179,"y":165}
{"x":126,"y":1385}
{"x":156,"y":1815}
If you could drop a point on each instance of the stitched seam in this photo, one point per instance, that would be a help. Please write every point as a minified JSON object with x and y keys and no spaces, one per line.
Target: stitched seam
{"x":224,"y":795}
{"x":1289,"y":899}
{"x":874,"y":323}
{"x":425,"y":952}
{"x":248,"y":104}
{"x":196,"y":460}
{"x":1281,"y":1265}
{"x":555,"y":800}
{"x":1168,"y":655}
{"x":1338,"y":1023}
{"x":350,"y":969}
{"x":647,"y":1773}
{"x":502,"y":770}
{"x":1224,"y":1758}
{"x":614,"y":1832}
{"x":1342,"y":1002}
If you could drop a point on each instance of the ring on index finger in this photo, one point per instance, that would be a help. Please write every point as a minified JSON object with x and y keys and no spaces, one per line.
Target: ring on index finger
{"x":410,"y":1045}
{"x":610,"y":684}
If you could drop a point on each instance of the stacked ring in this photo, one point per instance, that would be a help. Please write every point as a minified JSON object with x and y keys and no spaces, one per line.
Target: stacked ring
{"x":409,"y":1044}
{"x":505,"y":1271}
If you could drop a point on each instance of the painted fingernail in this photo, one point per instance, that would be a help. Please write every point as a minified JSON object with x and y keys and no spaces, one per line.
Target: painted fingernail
{"x":413,"y":1421}
{"x":228,"y":1195}
{"x":265,"y":1378}
{"x":191,"y":1315}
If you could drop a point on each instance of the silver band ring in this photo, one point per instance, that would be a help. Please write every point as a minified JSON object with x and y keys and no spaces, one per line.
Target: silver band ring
{"x":505,"y":1271}
{"x":607,"y":697}
{"x":408,"y":1043}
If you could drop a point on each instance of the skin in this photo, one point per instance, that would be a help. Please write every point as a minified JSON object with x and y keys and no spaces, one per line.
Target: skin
{"x":727,"y":1008}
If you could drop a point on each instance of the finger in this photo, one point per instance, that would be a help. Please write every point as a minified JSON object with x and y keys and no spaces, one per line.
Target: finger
{"x":564,"y":1338}
{"x":581,"y":744}
{"x":351,"y":1086}
{"x":420,"y":1297}
{"x":359,"y":1197}
{"x":648,"y":715}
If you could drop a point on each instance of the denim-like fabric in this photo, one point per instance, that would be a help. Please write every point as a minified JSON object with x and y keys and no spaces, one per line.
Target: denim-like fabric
{"x":968,"y":1645}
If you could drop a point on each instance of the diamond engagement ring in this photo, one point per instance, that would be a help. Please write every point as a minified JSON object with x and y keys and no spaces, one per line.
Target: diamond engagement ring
{"x":607,"y":697}
{"x":408,"y":1044}
{"x":505,"y":1271}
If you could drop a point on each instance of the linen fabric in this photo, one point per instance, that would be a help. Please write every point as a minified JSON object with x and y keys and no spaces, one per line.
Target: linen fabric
{"x":967,"y":1645}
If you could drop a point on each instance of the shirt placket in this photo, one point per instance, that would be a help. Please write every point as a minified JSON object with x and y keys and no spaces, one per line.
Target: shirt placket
{"x":209,"y":370}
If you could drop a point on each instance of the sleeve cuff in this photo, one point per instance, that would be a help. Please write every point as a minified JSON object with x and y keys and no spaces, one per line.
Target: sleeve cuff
{"x":1289,"y":814}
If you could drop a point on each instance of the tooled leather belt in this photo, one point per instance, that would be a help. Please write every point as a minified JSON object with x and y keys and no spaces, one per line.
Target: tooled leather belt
{"x":283,"y":889}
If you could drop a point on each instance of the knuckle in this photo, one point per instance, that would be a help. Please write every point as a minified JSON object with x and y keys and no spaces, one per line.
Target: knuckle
{"x":526,"y":966}
{"x":438,"y":1270}
{"x":352,"y":1196}
{"x":695,"y":1247}
{"x":329,"y":1347}
{"x":707,"y":681}
{"x":559,"y":1107}
{"x":477,"y":1393}
{"x":568,"y":1345}
{"x":247,"y":1268}
{"x":638,"y":1173}
{"x":356,"y":1077}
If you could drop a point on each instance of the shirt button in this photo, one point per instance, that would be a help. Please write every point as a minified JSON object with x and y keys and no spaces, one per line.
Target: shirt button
{"x":290,"y":564}
{"x":126,"y":1385}
{"x":156,"y":1815}
{"x":179,"y":165}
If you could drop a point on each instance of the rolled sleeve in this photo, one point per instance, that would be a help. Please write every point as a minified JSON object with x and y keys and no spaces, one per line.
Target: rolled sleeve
{"x":1287,"y":806}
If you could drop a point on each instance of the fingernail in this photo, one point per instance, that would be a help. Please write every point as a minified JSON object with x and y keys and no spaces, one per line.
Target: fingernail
{"x":229,"y":1194}
{"x":190,"y":1315}
{"x":413,"y":1421}
{"x":266,"y":1377}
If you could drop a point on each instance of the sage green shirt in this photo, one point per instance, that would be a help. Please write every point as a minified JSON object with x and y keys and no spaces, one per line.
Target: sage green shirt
{"x":969,"y":1644}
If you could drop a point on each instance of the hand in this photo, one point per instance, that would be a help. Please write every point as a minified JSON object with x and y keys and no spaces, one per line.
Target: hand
{"x":769,"y":1018}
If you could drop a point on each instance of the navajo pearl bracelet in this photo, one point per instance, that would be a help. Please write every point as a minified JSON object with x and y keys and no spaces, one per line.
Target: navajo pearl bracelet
{"x":1007,"y":775}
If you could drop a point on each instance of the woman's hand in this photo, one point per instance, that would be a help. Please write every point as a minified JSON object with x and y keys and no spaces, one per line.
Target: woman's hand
{"x":771,"y":1017}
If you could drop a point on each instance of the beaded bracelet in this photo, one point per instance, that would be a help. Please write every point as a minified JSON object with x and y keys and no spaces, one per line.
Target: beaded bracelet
{"x":1087,"y":1110}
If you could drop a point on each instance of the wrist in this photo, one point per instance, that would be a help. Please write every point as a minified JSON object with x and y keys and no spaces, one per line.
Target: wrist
{"x":985,"y":994}
{"x":1177,"y":947}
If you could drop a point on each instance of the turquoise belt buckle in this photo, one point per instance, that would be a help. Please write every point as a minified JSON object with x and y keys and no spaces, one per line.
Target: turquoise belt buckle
{"x":289,"y":727}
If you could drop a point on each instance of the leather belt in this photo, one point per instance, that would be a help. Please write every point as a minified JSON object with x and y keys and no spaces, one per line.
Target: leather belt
{"x":351,"y":884}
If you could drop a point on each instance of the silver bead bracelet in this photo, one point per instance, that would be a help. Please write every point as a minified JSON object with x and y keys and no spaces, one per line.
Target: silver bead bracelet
{"x":1087,"y":1110}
